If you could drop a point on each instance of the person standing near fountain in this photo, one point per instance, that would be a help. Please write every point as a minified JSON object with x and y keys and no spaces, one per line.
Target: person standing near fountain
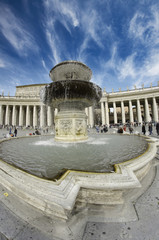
{"x":143,"y":129}
{"x":15,"y":132}
{"x":150,"y":128}
{"x":157,"y":128}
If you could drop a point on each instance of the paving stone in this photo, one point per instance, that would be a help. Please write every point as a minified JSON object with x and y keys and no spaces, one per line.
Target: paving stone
{"x":10,"y":224}
{"x":146,"y":228}
{"x":32,"y":233}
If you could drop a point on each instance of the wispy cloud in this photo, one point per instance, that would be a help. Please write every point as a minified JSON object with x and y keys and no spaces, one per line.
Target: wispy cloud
{"x":92,"y":26}
{"x":44,"y":65}
{"x":15,"y":31}
{"x":145,"y":27}
{"x":86,"y":21}
{"x":52,"y":41}
{"x":126,"y":68}
{"x":134,"y":69}
{"x":2,"y":63}
{"x":93,"y":29}
{"x":64,"y":12}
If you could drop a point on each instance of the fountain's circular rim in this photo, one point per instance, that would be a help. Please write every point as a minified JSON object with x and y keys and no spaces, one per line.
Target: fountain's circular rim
{"x":64,"y":172}
{"x":71,"y":62}
{"x":72,"y":67}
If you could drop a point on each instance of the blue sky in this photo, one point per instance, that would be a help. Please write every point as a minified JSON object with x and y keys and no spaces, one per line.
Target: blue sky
{"x":117,"y":39}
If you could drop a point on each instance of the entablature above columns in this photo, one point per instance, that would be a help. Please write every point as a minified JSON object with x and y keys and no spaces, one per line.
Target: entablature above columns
{"x":15,"y":101}
{"x":135,"y":92}
{"x":127,"y":96}
{"x":104,"y":99}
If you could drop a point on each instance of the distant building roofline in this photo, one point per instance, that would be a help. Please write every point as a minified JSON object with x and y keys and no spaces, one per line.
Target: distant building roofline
{"x":32,"y":85}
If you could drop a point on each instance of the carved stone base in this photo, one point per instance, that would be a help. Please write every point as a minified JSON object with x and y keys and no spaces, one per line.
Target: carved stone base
{"x":71,"y":126}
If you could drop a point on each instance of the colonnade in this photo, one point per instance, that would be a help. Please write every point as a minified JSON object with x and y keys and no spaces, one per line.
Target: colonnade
{"x":117,"y":107}
{"x":138,"y":110}
{"x":90,"y":116}
{"x":130,"y":110}
{"x":34,"y":115}
{"x":26,"y":115}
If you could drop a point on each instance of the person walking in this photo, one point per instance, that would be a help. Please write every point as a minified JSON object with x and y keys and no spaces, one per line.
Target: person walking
{"x":124,"y":128}
{"x":150,"y":128}
{"x":131,"y":129}
{"x":143,"y":129}
{"x":15,"y":132}
{"x":10,"y":130}
{"x":157,"y":128}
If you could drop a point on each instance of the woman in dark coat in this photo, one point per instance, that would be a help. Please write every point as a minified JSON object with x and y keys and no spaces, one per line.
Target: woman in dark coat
{"x":157,"y":128}
{"x":143,"y":129}
{"x":15,"y":132}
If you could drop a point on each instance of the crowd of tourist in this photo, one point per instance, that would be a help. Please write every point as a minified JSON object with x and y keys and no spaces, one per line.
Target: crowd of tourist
{"x":12,"y":131}
{"x":145,"y":128}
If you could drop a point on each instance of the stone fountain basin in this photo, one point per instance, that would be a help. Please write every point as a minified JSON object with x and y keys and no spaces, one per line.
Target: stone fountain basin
{"x":72,"y":90}
{"x":44,"y":157}
{"x":58,"y":198}
{"x":70,"y":70}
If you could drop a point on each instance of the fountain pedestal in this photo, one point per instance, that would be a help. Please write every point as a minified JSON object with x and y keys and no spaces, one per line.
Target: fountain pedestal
{"x":70,"y":126}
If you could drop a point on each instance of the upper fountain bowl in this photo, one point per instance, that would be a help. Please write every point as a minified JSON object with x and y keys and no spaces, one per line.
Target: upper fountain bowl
{"x":70,"y":70}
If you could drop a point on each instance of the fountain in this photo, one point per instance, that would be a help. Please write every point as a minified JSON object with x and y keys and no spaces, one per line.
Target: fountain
{"x":79,"y":194}
{"x":71,"y":92}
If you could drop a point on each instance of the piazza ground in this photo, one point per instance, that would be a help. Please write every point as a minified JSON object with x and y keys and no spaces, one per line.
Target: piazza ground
{"x":21,"y":221}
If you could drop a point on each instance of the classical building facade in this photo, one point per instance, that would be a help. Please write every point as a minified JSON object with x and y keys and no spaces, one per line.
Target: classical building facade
{"x":26,"y":109}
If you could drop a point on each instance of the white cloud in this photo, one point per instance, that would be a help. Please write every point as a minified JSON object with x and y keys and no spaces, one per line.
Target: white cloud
{"x":54,"y":47}
{"x":14,"y":30}
{"x":66,"y":13}
{"x":145,"y":27}
{"x":2,"y":64}
{"x":93,"y":28}
{"x":126,"y":68}
{"x":44,"y":65}
{"x":136,"y":28}
{"x":71,"y":16}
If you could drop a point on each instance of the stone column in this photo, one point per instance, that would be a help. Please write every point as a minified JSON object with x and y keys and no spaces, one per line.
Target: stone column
{"x":56,"y":111}
{"x":87,"y":114}
{"x":115,"y":113}
{"x":21,"y":115}
{"x":131,"y":112}
{"x":107,"y":113}
{"x":147,"y":112}
{"x":35,"y":116}
{"x":28,"y":116}
{"x":14,"y":116}
{"x":49,"y":116}
{"x":139,"y":117}
{"x":42,"y":116}
{"x":91,"y":116}
{"x":7,"y":115}
{"x":1,"y":115}
{"x":103,"y":113}
{"x":123,"y":112}
{"x":155,"y":110}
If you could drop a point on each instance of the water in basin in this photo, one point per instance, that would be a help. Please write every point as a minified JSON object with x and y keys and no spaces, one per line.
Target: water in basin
{"x":44,"y":157}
